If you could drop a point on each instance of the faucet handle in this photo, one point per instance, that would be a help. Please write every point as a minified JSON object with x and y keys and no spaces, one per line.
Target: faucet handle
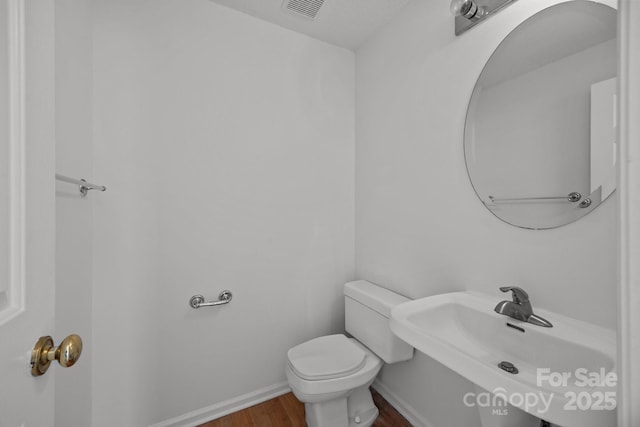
{"x":519,"y":295}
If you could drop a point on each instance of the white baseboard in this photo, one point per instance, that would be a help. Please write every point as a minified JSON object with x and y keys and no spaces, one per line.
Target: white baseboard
{"x":401,"y":406}
{"x":200,"y":416}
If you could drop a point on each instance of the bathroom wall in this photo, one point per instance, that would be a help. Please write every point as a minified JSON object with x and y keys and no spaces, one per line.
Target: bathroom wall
{"x":74,"y":225}
{"x":227,"y":146}
{"x":420,"y":229}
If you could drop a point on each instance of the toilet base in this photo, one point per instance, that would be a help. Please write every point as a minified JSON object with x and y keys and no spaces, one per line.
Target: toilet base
{"x":362,"y":411}
{"x":354,"y":410}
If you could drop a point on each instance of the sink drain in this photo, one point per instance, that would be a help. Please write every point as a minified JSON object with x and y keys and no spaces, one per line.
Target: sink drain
{"x":508,"y":366}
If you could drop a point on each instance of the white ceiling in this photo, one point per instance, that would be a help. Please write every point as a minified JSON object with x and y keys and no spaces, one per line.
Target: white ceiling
{"x":346,"y":23}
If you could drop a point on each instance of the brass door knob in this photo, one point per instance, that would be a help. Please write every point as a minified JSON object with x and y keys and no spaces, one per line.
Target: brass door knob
{"x":67,"y":353}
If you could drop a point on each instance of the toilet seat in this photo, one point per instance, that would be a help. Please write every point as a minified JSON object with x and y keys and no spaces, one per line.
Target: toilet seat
{"x":327,"y":357}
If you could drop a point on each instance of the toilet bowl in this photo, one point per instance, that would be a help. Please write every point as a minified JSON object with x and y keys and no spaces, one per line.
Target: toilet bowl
{"x":331,"y":375}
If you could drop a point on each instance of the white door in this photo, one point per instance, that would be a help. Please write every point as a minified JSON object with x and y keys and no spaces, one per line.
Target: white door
{"x":26,"y":208}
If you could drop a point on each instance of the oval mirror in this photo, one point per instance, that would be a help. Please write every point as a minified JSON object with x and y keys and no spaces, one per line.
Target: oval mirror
{"x":539,"y":138}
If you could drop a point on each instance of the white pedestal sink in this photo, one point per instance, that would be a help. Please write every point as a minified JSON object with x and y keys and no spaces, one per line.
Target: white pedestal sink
{"x":566,"y":374}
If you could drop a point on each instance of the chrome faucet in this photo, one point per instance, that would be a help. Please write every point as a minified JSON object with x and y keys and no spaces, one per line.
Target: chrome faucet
{"x":520,"y":308}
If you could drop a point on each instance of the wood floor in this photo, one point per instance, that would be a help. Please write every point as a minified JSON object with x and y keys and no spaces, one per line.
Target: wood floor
{"x":287,"y":411}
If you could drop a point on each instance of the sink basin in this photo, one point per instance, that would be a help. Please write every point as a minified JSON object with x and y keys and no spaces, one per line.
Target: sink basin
{"x":566,"y":374}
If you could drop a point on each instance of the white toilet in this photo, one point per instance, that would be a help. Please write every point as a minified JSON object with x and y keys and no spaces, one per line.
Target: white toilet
{"x":331,"y":375}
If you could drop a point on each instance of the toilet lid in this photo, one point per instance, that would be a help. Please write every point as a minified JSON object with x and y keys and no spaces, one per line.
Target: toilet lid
{"x":327,"y":357}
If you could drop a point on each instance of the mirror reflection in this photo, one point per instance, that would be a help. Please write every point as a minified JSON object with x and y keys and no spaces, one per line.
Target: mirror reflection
{"x":540,"y":131}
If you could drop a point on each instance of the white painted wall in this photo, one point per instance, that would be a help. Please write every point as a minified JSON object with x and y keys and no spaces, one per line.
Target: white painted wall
{"x":227,"y":146}
{"x":420,"y":229}
{"x":74,"y":226}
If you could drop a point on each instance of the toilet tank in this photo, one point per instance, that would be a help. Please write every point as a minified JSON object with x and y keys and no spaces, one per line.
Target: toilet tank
{"x":367,"y":311}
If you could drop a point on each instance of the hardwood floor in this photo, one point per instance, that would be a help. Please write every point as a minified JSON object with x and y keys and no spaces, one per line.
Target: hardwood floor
{"x":287,"y":411}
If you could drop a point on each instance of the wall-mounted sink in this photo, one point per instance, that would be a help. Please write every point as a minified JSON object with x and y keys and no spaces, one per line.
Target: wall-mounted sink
{"x":566,"y":374}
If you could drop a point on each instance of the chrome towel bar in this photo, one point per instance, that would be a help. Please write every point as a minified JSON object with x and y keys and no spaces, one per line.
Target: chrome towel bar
{"x":197,"y":301}
{"x":571,"y":197}
{"x":84,"y":185}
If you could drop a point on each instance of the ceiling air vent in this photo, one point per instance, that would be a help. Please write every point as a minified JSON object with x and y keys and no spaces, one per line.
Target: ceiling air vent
{"x":305,"y":8}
